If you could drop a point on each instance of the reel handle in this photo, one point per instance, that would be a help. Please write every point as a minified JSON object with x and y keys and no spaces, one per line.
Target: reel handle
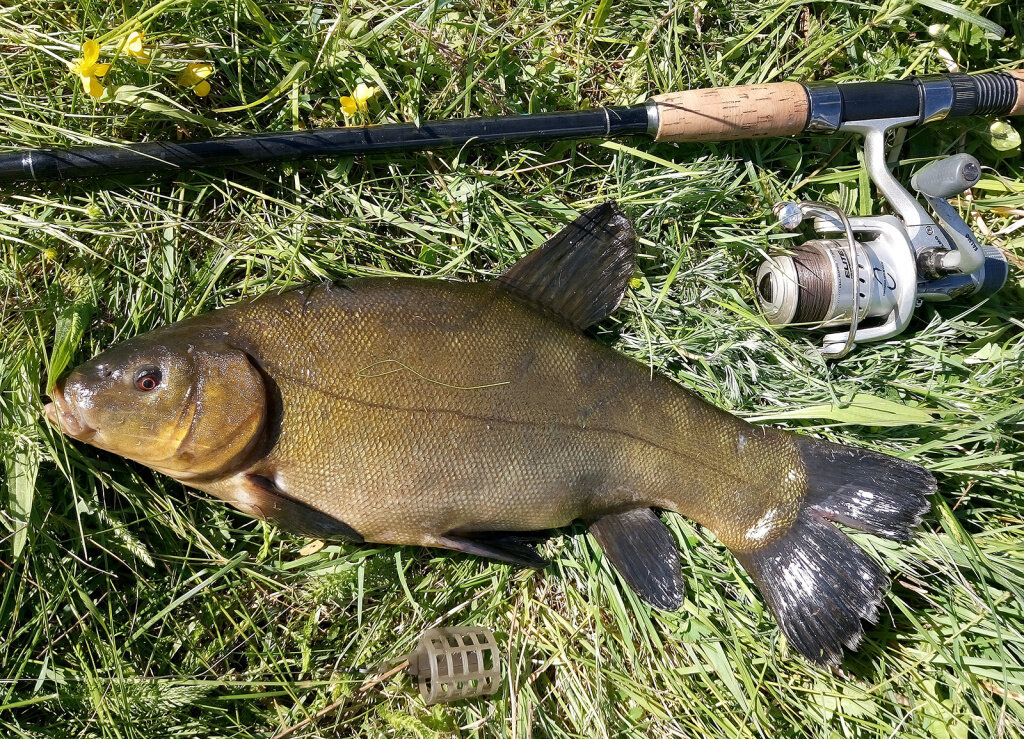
{"x":787,"y":108}
{"x":936,"y":182}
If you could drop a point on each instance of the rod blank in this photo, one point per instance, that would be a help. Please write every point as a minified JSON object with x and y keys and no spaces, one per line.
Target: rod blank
{"x":169,"y":157}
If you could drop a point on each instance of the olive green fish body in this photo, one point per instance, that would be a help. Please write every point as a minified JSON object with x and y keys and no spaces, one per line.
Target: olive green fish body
{"x":413,"y":408}
{"x":465,"y":416}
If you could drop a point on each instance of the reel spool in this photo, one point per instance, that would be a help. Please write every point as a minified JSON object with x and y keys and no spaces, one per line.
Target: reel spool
{"x":868,"y":278}
{"x":814,"y":286}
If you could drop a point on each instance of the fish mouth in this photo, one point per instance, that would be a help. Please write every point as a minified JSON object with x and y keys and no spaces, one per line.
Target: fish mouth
{"x":61,"y":414}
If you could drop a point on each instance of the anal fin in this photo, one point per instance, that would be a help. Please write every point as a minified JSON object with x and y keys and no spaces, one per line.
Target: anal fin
{"x":513,"y":547}
{"x":644,"y":553}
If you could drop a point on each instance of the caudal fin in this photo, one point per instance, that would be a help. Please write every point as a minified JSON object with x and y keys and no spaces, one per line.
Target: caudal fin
{"x":817,"y":581}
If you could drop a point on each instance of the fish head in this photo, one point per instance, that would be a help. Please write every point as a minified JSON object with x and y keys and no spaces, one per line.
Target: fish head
{"x":184,"y":405}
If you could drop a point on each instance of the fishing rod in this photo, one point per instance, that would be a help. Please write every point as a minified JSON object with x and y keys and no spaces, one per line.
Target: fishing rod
{"x":861,"y":279}
{"x":714,"y":114}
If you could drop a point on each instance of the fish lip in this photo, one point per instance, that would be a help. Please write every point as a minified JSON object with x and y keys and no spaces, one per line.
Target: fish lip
{"x":60,"y":413}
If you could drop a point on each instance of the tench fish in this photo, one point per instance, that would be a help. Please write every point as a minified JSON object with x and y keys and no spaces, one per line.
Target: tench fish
{"x":468,"y":415}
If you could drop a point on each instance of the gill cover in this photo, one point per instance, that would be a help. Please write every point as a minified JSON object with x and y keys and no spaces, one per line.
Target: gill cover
{"x":188,"y":412}
{"x":228,"y":414}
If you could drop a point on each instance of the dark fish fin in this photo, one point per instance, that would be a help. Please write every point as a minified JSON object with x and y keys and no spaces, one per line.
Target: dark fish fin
{"x":582,"y":272}
{"x":644,"y":553}
{"x":865,"y":490}
{"x":817,"y":581}
{"x":264,"y":499}
{"x":504,"y":546}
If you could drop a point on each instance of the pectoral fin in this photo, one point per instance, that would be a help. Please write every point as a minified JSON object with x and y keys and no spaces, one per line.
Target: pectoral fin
{"x":643,"y":551}
{"x":505,"y":546}
{"x":582,"y":272}
{"x":260,"y":496}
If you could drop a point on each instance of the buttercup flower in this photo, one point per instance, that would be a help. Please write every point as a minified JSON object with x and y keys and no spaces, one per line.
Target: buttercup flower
{"x":136,"y":46}
{"x":358,"y":101}
{"x":194,"y":76}
{"x":89,"y":69}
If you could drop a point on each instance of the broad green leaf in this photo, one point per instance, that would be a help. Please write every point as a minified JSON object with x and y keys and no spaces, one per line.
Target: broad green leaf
{"x":22,"y":464}
{"x":993,"y":185}
{"x":863,"y":410}
{"x":380,"y":29}
{"x":941,"y":720}
{"x":852,"y":703}
{"x":993,"y":29}
{"x":716,"y":658}
{"x":1002,"y":136}
{"x":601,"y":15}
{"x":989,"y":353}
{"x":150,"y":99}
{"x":269,"y":31}
{"x":640,"y":154}
{"x":71,"y":324}
{"x":140,"y":18}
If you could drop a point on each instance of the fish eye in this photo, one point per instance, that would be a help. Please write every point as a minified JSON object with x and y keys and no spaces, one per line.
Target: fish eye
{"x":148,"y":378}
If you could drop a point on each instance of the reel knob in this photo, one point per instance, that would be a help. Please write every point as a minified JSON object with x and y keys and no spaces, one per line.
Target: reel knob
{"x":789,"y":215}
{"x":947,"y":177}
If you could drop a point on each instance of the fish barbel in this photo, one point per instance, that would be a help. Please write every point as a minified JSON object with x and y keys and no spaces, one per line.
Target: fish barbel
{"x":467,"y":415}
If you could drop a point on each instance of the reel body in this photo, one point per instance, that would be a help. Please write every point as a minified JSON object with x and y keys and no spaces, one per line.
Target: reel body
{"x":873,"y":270}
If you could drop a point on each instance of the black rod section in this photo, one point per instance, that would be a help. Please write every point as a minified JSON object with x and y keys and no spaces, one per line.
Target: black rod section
{"x":989,"y":93}
{"x":169,"y":157}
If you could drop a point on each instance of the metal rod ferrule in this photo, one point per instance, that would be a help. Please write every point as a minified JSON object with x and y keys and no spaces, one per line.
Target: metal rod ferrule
{"x":826,"y":107}
{"x":653,"y":118}
{"x":936,"y":93}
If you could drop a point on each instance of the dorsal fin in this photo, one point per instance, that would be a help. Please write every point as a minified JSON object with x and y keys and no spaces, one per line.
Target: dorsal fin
{"x":582,"y":272}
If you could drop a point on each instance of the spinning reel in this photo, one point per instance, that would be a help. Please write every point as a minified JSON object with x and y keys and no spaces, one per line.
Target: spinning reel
{"x":867,"y":274}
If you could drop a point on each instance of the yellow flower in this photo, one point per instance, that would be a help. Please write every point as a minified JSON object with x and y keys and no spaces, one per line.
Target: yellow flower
{"x":136,"y":46}
{"x":89,"y":70}
{"x":194,"y":76}
{"x":358,"y":101}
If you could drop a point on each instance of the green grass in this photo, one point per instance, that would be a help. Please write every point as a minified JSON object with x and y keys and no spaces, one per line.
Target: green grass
{"x":132,"y":607}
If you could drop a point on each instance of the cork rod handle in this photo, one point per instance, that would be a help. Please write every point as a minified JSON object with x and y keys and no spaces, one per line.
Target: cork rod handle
{"x":1018,"y":76}
{"x":724,"y":113}
{"x":787,"y":108}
